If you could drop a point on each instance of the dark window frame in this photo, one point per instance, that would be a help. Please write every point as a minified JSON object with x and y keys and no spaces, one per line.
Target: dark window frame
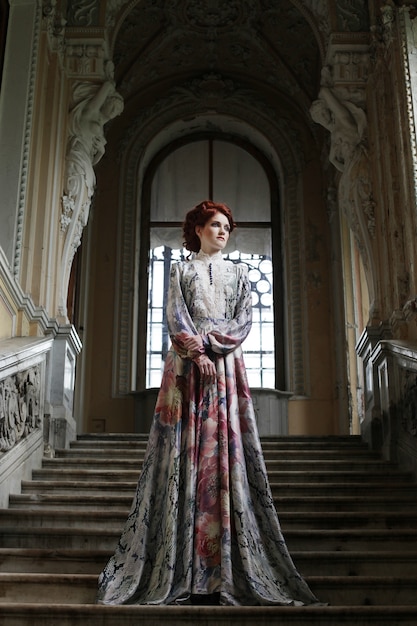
{"x":277,"y":256}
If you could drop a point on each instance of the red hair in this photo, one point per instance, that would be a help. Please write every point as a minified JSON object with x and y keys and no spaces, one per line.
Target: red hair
{"x":199,"y":216}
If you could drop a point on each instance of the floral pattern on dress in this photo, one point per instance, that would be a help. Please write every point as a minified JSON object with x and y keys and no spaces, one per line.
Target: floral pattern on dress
{"x":203,"y":518}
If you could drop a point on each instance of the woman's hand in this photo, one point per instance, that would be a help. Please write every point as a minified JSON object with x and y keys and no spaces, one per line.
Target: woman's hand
{"x":207,"y":368}
{"x":193,"y":343}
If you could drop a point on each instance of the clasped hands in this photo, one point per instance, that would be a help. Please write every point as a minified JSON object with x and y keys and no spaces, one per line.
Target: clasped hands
{"x":194,"y":343}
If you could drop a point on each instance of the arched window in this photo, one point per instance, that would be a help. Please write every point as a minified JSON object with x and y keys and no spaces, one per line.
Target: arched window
{"x":226,"y":172}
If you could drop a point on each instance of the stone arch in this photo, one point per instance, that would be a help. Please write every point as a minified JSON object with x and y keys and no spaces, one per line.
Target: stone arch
{"x":281,"y":143}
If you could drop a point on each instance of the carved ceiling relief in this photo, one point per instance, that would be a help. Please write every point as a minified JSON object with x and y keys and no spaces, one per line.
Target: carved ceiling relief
{"x":259,"y":39}
{"x":215,"y":92}
{"x":352,"y":15}
{"x":83,"y":12}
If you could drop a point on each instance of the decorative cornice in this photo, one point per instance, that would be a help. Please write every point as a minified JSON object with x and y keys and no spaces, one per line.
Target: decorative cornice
{"x":23,"y":302}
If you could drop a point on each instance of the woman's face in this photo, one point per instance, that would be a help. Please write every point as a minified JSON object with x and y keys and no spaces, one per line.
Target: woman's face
{"x":215,"y":233}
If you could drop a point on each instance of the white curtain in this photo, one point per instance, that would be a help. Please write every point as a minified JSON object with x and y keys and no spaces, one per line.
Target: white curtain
{"x":182,"y":181}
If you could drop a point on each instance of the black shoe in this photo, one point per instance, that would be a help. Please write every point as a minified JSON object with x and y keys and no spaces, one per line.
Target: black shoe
{"x":209,"y":599}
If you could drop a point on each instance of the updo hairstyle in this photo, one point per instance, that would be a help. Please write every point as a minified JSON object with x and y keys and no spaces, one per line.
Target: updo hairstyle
{"x":199,"y":216}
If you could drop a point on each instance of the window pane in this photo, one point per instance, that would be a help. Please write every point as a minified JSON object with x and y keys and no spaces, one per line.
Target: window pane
{"x":254,"y":378}
{"x":268,"y":379}
{"x":253,"y":361}
{"x":156,"y":338}
{"x":154,"y":378}
{"x":258,"y":347}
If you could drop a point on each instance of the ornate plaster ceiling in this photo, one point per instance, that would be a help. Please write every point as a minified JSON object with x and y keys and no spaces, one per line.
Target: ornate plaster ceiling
{"x":262,"y":56}
{"x":265,"y":44}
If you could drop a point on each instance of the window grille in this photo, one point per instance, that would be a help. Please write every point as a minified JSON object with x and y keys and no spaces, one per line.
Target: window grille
{"x":258,"y":347}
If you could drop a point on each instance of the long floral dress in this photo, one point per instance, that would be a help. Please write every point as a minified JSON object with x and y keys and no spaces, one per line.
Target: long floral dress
{"x":203,"y":519}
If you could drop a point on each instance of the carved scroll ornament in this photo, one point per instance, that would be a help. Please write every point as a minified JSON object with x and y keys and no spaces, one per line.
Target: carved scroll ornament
{"x":19,"y":407}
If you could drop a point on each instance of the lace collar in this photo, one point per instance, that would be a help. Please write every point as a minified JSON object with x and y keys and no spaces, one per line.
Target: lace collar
{"x":209,"y":258}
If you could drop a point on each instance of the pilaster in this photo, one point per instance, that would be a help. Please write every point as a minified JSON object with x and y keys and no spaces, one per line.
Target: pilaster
{"x":59,"y":424}
{"x":15,"y":121}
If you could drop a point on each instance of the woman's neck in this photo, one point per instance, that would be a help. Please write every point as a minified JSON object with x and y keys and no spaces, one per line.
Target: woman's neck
{"x":216,"y":254}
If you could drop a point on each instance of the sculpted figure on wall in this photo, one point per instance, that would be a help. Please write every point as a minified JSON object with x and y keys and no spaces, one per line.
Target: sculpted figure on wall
{"x":347,"y":125}
{"x":94,"y":105}
{"x":19,"y":407}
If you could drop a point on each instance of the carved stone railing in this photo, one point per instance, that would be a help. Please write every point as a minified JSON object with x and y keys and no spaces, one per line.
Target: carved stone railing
{"x":22,"y":399}
{"x":390,"y":375}
{"x":22,"y":384}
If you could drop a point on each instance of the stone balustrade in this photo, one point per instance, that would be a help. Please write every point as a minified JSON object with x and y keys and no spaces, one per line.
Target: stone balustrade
{"x":390,"y":379}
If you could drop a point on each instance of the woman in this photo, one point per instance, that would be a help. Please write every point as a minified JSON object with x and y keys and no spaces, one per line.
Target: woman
{"x":203,"y":527}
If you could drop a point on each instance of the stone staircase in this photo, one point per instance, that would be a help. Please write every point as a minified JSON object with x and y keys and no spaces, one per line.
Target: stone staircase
{"x":349,"y":518}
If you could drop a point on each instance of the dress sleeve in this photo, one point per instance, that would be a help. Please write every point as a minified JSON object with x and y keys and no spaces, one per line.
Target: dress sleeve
{"x":180,"y":324}
{"x":227,"y":336}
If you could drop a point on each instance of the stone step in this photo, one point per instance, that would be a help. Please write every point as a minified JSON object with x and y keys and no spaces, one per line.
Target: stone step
{"x":349,"y":519}
{"x":54,"y":517}
{"x":335,"y":590}
{"x":284,"y":464}
{"x":49,"y":472}
{"x":327,"y":540}
{"x":276,"y":445}
{"x":309,"y":563}
{"x":103,"y":439}
{"x":106,"y":438}
{"x":31,"y":560}
{"x":269,"y":453}
{"x":388,"y":502}
{"x":69,"y":615}
{"x":86,"y":485}
{"x":44,"y":614}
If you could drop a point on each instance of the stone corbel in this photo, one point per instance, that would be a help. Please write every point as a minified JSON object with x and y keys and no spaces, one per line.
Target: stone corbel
{"x":349,"y":56}
{"x":87,"y":58}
